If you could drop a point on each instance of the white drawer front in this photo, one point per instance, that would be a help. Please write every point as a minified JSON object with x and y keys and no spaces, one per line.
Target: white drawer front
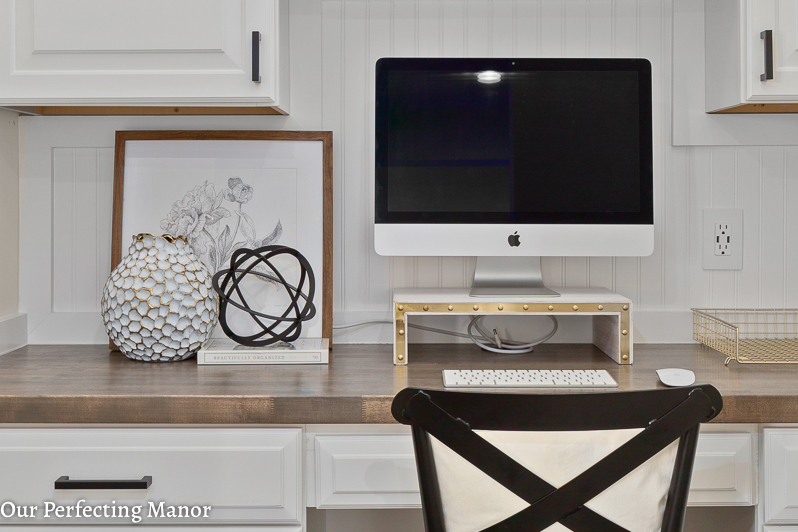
{"x":781,"y":475}
{"x":245,"y":475}
{"x":723,"y":472}
{"x":378,"y":471}
{"x":366,"y":471}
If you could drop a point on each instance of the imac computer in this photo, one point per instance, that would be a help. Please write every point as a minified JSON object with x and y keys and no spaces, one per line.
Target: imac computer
{"x":509,"y":160}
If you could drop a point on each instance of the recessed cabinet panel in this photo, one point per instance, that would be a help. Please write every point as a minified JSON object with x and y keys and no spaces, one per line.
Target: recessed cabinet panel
{"x":366,"y":471}
{"x":245,"y":475}
{"x":146,"y":52}
{"x":781,"y":475}
{"x":115,"y":26}
{"x":723,"y":473}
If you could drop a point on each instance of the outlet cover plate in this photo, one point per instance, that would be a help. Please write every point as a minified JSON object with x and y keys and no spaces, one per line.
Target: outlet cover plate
{"x":712,"y":217}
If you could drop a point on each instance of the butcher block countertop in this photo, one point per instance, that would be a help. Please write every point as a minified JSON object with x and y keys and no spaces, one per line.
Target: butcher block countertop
{"x":90,"y":384}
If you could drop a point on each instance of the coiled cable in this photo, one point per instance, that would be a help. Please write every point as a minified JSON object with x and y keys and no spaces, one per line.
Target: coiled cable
{"x":487,"y":340}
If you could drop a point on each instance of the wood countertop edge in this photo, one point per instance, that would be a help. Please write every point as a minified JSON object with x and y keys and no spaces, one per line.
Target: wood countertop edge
{"x":211,"y":410}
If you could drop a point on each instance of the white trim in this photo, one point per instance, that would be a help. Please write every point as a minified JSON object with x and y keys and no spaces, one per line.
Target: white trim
{"x":69,"y":328}
{"x":13,"y":332}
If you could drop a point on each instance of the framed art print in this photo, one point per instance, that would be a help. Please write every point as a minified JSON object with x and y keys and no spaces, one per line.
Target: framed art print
{"x":226,"y":190}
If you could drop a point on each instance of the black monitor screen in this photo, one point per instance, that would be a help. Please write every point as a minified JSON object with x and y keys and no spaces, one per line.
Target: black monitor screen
{"x":514,"y":141}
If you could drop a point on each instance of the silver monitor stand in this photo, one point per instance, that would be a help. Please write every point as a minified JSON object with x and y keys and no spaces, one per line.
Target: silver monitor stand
{"x":509,"y":276}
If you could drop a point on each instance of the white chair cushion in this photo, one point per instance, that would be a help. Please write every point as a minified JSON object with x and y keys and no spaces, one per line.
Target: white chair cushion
{"x":473,"y":501}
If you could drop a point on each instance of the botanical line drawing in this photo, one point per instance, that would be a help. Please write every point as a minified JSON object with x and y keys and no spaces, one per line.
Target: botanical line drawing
{"x":198,"y":216}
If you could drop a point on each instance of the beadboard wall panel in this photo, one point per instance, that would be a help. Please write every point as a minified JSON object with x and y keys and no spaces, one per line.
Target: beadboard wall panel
{"x":763,"y":182}
{"x":13,"y":324}
{"x":335,"y":44}
{"x":356,"y":33}
{"x":82,"y":183}
{"x":9,"y":214}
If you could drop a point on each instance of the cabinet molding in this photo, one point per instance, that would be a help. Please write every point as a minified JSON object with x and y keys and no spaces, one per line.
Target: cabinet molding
{"x":153,"y":111}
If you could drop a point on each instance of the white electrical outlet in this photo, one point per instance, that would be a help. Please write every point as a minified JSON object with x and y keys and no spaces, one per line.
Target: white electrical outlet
{"x":723,"y":239}
{"x":722,"y":243}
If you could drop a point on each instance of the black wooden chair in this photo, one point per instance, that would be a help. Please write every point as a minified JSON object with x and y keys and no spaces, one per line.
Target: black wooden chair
{"x":586,"y":462}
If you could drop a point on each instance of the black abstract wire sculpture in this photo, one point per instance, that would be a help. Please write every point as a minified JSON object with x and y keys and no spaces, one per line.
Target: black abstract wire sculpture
{"x":286,"y":327}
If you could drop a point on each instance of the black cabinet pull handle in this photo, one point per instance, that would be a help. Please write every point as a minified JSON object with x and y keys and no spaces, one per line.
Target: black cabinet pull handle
{"x":64,"y":483}
{"x":256,"y":56}
{"x":767,"y":35}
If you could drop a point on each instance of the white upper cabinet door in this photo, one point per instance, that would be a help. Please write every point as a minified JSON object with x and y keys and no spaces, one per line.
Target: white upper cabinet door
{"x":751,"y":55}
{"x":781,"y":18}
{"x":142,"y":52}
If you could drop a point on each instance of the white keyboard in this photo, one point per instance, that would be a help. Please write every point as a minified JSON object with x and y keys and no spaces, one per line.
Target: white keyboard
{"x":528,"y":378}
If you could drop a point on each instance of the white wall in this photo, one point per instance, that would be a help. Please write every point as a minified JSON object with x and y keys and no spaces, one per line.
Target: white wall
{"x":9,"y":214}
{"x":334,"y":46}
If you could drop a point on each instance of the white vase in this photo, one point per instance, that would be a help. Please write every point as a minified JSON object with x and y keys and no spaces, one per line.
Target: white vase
{"x":159,"y":303}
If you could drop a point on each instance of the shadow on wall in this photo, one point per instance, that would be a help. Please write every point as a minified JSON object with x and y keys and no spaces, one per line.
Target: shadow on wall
{"x":726,"y":519}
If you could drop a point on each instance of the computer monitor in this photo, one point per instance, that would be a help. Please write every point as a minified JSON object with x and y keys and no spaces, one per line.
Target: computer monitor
{"x":512,"y":159}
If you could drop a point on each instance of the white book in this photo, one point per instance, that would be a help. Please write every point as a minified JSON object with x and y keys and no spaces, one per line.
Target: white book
{"x":218,"y":351}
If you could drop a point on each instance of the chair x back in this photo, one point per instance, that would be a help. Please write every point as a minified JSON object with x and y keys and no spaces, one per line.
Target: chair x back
{"x":588,"y":462}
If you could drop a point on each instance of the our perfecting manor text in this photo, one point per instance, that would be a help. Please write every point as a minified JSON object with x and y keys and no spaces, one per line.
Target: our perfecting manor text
{"x":81,"y":510}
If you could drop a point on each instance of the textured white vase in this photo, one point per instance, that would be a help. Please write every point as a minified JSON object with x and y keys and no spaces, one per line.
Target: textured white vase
{"x":159,"y":303}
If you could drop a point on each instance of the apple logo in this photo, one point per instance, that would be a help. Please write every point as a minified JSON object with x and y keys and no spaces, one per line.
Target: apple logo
{"x":514,"y":239}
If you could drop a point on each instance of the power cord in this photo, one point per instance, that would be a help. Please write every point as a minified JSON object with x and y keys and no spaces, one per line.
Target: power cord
{"x":489,"y":341}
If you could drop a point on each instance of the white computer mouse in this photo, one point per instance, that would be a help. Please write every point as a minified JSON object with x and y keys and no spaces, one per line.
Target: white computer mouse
{"x":676,"y":377}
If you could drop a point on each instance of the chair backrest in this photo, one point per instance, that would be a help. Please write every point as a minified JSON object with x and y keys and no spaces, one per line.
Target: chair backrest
{"x":588,"y":462}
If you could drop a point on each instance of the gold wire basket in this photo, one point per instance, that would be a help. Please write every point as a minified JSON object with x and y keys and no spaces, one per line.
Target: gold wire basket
{"x":749,"y":336}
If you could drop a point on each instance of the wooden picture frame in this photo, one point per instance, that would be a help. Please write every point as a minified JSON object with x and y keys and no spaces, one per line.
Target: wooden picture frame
{"x":123,"y":149}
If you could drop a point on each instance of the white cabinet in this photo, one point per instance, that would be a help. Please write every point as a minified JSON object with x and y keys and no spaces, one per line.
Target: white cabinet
{"x":724,"y":471}
{"x":377,"y":470}
{"x":366,"y":471}
{"x":780,"y":449}
{"x":742,"y":37}
{"x":246,"y":476}
{"x":143,"y":52}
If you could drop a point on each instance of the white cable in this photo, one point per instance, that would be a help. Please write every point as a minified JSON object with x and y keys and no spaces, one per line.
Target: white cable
{"x":513,"y":348}
{"x":358,"y":324}
{"x":486,"y":340}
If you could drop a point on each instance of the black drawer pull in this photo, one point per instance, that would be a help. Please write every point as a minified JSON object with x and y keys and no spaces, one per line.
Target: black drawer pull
{"x":256,"y":56}
{"x":63,"y":483}
{"x":767,"y":35}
